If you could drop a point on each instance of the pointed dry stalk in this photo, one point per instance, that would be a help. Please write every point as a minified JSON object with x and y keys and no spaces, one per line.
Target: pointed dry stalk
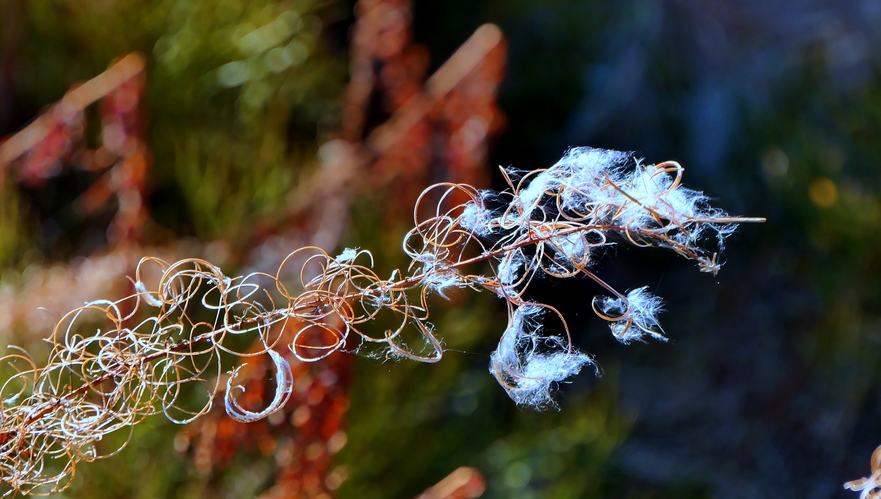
{"x":162,"y":350}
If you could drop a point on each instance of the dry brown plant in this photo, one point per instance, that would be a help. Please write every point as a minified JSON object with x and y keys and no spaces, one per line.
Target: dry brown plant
{"x":164,"y":348}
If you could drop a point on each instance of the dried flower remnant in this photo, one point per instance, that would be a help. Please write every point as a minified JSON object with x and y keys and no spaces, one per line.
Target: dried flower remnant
{"x":526,"y":363}
{"x":115,"y":362}
{"x":633,"y":317}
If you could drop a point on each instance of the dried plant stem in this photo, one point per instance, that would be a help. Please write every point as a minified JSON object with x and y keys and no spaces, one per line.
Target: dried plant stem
{"x":550,"y":223}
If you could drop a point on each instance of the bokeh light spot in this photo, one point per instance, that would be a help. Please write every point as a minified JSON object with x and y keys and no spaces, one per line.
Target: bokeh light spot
{"x":823,"y":192}
{"x":517,"y":475}
{"x":775,"y":163}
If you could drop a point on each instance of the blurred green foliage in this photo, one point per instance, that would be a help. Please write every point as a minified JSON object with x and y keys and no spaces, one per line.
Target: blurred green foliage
{"x":239,"y":94}
{"x":11,"y":243}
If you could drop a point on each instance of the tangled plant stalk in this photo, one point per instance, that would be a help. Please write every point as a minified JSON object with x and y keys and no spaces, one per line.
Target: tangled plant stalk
{"x":162,"y":350}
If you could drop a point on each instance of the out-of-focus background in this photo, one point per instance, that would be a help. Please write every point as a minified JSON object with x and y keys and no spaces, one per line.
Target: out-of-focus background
{"x":240,"y":131}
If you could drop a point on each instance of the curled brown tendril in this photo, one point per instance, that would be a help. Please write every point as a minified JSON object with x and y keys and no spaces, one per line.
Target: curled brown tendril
{"x":869,"y":487}
{"x":163,"y":349}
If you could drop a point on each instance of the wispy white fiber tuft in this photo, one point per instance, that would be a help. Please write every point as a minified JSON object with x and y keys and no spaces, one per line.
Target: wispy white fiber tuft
{"x":635,"y":317}
{"x":571,"y":247}
{"x":532,"y":194}
{"x":528,"y":365}
{"x":596,"y":184}
{"x":648,"y":193}
{"x":510,"y":267}
{"x":348,"y":255}
{"x":476,"y":218}
{"x":437,"y":274}
{"x":582,"y":172}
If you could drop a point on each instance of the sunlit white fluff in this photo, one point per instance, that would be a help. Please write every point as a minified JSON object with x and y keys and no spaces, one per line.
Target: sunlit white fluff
{"x":477,"y":218}
{"x":527,"y":364}
{"x":595,"y":184}
{"x":635,"y":317}
{"x":510,"y":267}
{"x":348,"y":255}
{"x":438,"y":275}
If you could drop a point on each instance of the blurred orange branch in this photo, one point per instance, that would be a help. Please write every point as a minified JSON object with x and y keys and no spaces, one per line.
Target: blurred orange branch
{"x":73,"y":103}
